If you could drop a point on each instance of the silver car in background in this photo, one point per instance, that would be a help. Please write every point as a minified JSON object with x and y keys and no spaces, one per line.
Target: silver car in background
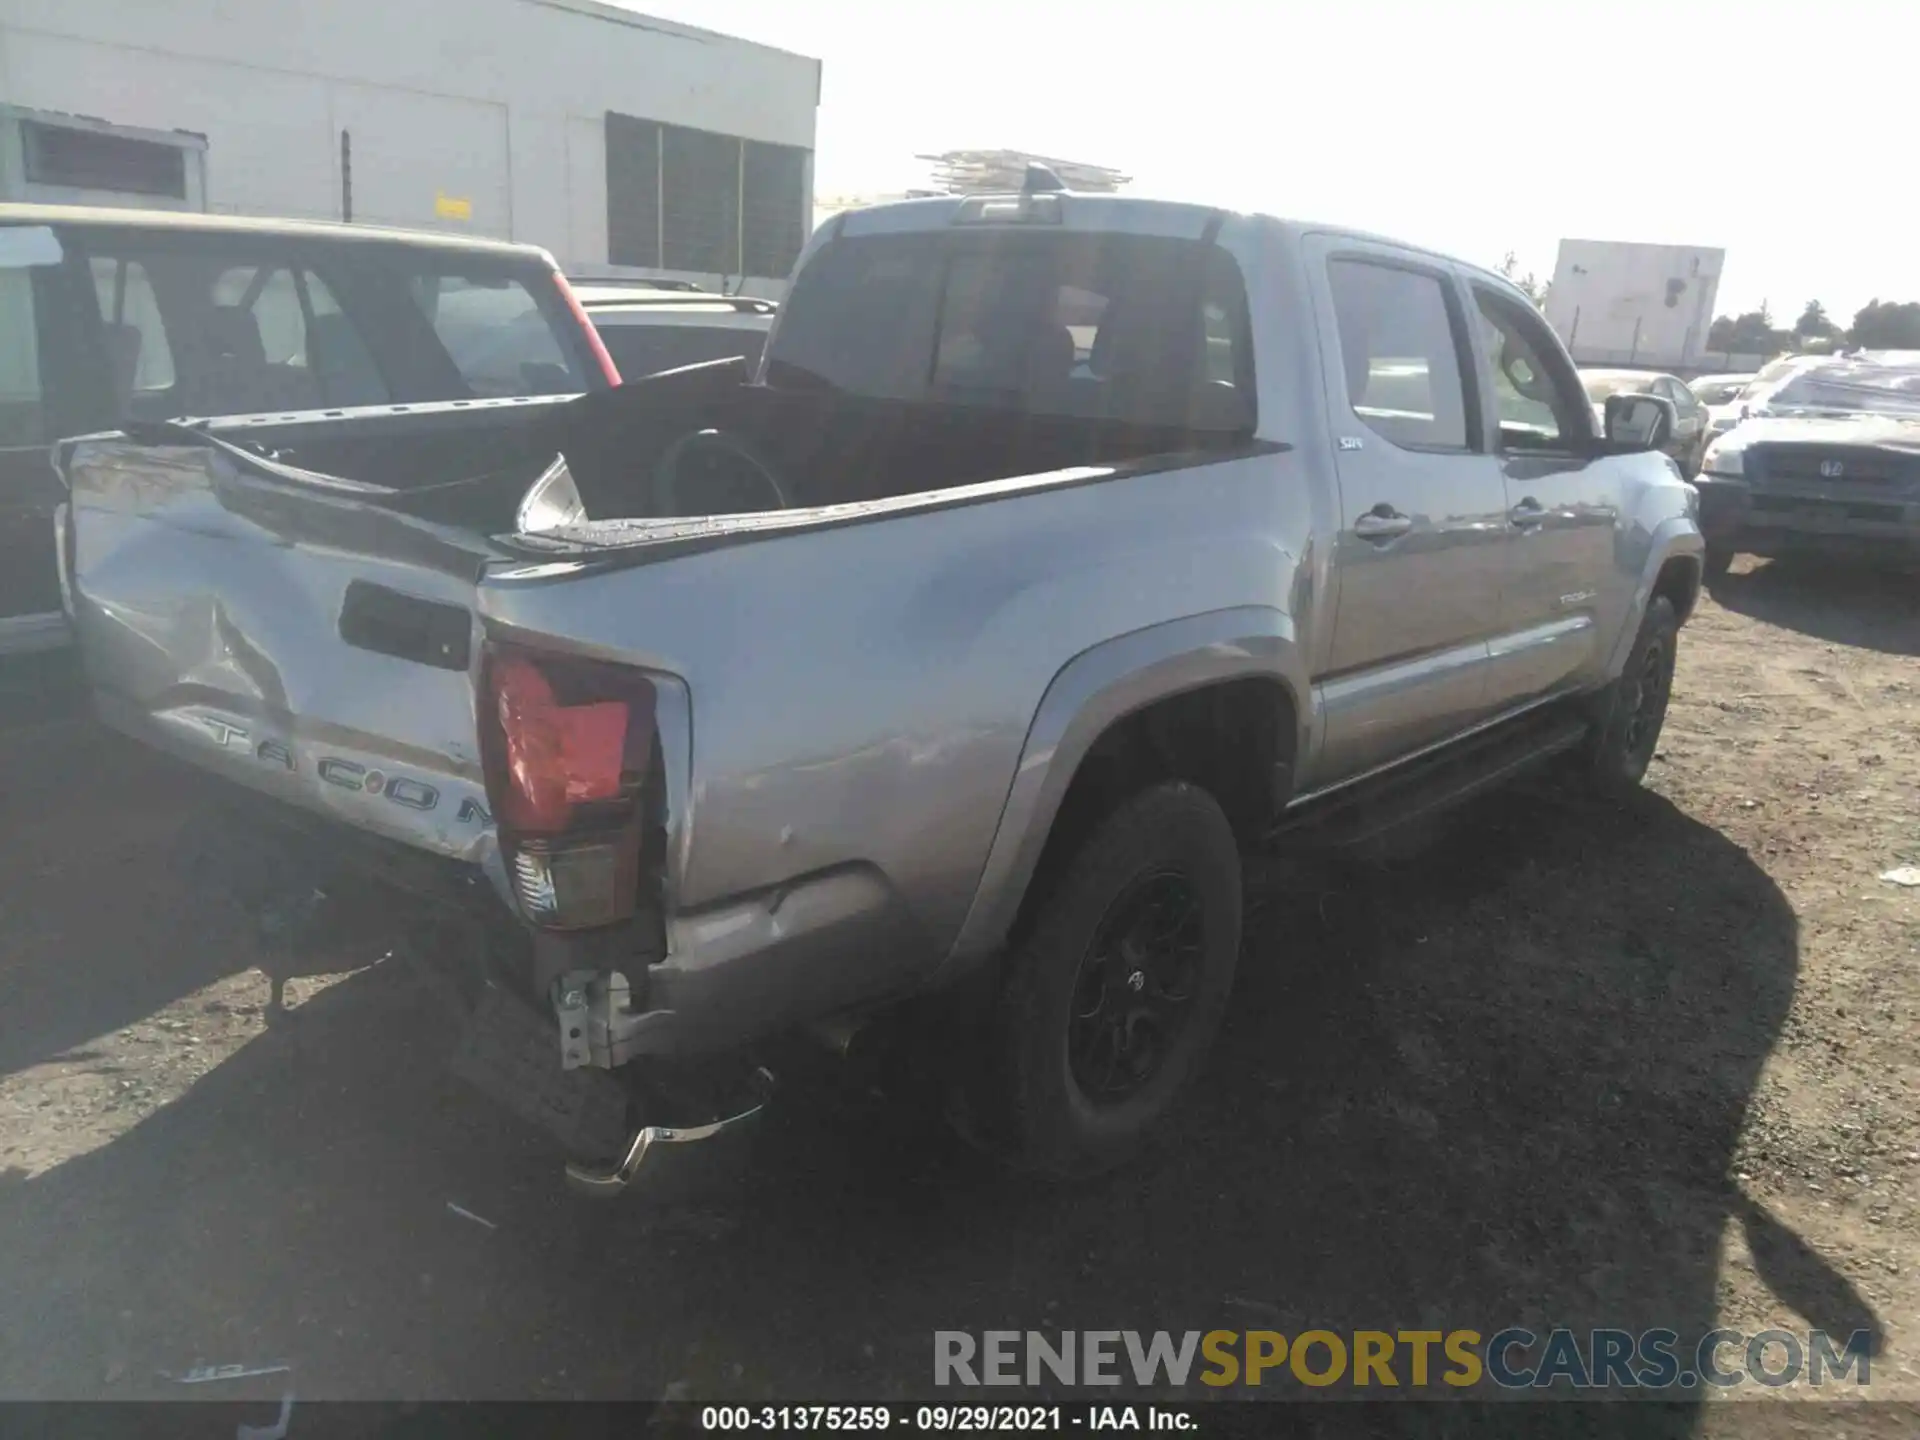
{"x":1689,"y":442}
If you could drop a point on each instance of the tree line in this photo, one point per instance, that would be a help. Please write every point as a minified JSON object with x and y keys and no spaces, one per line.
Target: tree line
{"x":1877,"y":325}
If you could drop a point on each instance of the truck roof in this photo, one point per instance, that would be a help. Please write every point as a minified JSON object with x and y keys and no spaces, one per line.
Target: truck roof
{"x":195,"y":221}
{"x":1134,"y":214}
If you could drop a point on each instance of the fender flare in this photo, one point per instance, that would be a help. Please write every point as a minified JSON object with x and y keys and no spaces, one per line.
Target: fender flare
{"x":1090,"y":693}
{"x":1672,"y":538}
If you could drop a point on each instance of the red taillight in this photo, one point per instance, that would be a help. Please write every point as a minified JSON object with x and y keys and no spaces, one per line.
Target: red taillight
{"x":595,"y":345}
{"x":570,"y":754}
{"x":557,"y":756}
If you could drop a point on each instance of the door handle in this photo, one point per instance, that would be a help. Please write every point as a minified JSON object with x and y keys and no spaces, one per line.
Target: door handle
{"x":1527,"y":512}
{"x":1382,"y":523}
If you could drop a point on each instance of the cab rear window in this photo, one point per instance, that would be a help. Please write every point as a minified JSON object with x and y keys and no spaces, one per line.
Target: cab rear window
{"x":1134,"y":328}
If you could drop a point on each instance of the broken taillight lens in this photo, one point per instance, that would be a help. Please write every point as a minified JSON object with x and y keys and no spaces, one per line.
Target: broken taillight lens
{"x":570,"y":753}
{"x":557,"y":756}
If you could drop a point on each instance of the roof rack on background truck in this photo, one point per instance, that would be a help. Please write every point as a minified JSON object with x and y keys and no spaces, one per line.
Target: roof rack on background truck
{"x":589,"y":284}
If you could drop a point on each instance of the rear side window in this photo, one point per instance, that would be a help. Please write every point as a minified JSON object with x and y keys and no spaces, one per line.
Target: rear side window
{"x":639,"y":348}
{"x":21,"y":420}
{"x":136,"y":336}
{"x":312,"y":347}
{"x":190,"y":330}
{"x":1401,"y":354}
{"x":1142,"y":329}
{"x":217,"y":324}
{"x":498,"y":336}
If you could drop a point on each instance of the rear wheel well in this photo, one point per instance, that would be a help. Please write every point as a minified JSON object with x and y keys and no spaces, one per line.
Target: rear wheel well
{"x":1679,"y":582}
{"x":1235,"y":740}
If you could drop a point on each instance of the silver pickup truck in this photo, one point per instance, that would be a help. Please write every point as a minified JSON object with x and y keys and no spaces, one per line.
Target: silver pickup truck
{"x":1058,"y":549}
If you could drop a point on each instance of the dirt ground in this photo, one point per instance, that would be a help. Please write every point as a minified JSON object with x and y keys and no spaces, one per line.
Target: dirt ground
{"x":1568,"y":1063}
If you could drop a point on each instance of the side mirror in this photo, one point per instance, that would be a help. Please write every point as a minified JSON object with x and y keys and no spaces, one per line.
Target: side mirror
{"x":1639,"y":422}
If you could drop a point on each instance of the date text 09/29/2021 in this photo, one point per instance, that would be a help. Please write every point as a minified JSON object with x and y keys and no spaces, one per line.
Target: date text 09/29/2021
{"x":961,"y":1419}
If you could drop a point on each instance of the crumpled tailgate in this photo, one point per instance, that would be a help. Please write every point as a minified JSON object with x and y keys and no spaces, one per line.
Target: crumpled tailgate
{"x":285,"y":631}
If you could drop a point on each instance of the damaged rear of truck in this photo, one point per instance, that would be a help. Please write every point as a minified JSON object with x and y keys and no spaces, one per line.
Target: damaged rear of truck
{"x":725,"y":704}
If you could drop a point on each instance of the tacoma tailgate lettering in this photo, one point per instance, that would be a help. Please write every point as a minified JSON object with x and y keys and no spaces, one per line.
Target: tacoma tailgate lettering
{"x":403,"y":790}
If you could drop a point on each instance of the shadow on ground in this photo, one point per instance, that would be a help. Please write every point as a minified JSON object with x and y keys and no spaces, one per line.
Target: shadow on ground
{"x":1847,"y":604}
{"x":113,"y":903}
{"x":1495,"y":1082}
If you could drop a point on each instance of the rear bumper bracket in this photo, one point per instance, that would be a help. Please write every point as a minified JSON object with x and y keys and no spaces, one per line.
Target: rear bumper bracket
{"x":655,"y":1151}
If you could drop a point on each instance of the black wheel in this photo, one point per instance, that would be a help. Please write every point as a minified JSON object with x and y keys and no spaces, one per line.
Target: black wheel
{"x":1719,"y":560}
{"x":1113,"y":997}
{"x":1628,"y":727}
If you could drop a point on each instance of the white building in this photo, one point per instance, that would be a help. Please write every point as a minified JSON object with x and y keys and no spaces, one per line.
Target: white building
{"x":1619,"y":303}
{"x":625,"y":145}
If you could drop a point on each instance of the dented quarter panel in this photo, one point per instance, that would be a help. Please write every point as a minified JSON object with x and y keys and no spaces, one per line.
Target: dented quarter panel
{"x":861,"y":696}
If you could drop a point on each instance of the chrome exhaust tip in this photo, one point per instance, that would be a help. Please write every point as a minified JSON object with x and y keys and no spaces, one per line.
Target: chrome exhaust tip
{"x":660,"y":1150}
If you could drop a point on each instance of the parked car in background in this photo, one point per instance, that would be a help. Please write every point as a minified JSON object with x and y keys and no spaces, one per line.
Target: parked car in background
{"x":1721,"y":395}
{"x":110,"y":317}
{"x":602,"y":291}
{"x":1689,"y":441}
{"x":647,"y":332}
{"x":1781,"y":366}
{"x":953,"y":660}
{"x":1827,"y":459}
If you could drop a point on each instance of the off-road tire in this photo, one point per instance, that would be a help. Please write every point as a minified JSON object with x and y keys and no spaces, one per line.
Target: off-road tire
{"x":1032,"y":1111}
{"x":1629,"y":717}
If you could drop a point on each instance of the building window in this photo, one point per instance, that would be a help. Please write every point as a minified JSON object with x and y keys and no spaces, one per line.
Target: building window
{"x":700,"y":180}
{"x":684,"y":199}
{"x":89,"y":160}
{"x":774,"y":210}
{"x":633,"y":191}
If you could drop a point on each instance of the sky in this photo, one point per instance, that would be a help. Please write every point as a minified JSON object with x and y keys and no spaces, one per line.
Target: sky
{"x":1777,"y":132}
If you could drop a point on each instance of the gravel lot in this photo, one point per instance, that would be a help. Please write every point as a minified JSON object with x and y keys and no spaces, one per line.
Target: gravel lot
{"x":1563,"y":1064}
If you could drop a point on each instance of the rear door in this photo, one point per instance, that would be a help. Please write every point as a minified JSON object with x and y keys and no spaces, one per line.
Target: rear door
{"x":1561,"y":504}
{"x":1419,"y":552}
